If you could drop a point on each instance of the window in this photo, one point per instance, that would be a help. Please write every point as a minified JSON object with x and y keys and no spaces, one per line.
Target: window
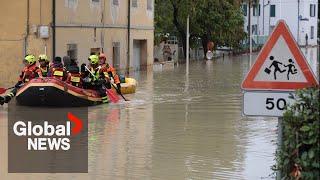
{"x":72,"y":51}
{"x":135,"y":3}
{"x":312,"y":10}
{"x":95,"y":51}
{"x":150,"y":5}
{"x":272,"y":10}
{"x":256,"y":10}
{"x":115,"y":2}
{"x":71,"y":3}
{"x":244,"y":9}
{"x":255,"y":29}
{"x":312,"y":32}
{"x":116,"y":55}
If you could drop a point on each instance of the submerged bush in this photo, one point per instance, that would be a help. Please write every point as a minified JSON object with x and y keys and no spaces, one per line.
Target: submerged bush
{"x":298,"y":157}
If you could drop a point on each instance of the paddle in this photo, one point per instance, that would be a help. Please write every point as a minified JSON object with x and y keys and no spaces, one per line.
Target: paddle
{"x":3,"y":90}
{"x":119,"y":92}
{"x":114,"y":98}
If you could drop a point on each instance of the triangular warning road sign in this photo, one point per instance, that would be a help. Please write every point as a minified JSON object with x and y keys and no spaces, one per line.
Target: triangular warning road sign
{"x":280,"y":65}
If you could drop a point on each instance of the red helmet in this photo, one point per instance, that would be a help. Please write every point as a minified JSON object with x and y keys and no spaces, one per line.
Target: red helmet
{"x":102,"y":58}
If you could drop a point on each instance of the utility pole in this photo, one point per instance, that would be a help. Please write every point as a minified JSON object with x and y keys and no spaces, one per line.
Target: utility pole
{"x":280,"y":3}
{"x":129,"y":37}
{"x":265,"y":5}
{"x":187,"y":50}
{"x":250,"y":32}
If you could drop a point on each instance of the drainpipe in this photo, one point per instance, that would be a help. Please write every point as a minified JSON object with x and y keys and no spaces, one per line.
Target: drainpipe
{"x":129,"y":29}
{"x":250,"y":33}
{"x":102,"y":32}
{"x":263,"y":18}
{"x":53,"y":28}
{"x":298,"y":38}
{"x":27,"y":29}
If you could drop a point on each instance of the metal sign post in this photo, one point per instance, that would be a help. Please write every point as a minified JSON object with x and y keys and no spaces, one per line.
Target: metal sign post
{"x":187,"y":50}
{"x":280,"y":68}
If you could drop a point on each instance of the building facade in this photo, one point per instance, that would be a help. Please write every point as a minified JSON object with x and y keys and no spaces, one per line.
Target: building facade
{"x":300,"y":15}
{"x":122,"y":29}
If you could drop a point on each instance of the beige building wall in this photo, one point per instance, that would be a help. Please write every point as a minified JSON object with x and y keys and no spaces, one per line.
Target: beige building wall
{"x":86,"y":23}
{"x":15,"y":42}
{"x":101,"y":24}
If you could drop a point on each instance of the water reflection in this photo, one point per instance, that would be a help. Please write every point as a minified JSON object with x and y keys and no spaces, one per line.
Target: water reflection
{"x":176,"y":127}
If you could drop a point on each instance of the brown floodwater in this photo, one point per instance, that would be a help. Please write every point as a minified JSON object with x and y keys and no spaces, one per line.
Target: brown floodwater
{"x":175,"y":127}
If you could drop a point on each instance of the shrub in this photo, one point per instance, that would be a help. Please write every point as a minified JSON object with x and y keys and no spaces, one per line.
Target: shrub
{"x":298,"y":157}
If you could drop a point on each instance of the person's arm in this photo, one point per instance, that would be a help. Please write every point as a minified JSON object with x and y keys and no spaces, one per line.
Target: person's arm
{"x":21,"y":76}
{"x":18,"y":84}
{"x":68,"y":80}
{"x":49,"y":72}
{"x":39,"y":72}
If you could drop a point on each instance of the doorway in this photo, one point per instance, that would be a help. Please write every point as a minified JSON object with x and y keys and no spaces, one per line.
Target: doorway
{"x":139,"y":55}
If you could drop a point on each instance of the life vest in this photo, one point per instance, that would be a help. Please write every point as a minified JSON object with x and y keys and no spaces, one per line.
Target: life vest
{"x":90,"y":78}
{"x":74,"y":79}
{"x":111,"y":71}
{"x":103,"y":70}
{"x":116,"y":79}
{"x":44,"y":70}
{"x":30,"y":72}
{"x":96,"y":73}
{"x":58,"y":73}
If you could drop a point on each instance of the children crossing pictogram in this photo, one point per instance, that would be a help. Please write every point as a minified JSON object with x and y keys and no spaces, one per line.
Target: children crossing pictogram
{"x":280,"y":65}
{"x":290,"y":68}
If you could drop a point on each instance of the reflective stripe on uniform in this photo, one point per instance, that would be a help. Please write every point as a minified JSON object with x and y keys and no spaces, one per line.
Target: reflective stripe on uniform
{"x":58,"y":73}
{"x":106,"y":74}
{"x":105,"y":99}
{"x":44,"y":71}
{"x":75,"y":79}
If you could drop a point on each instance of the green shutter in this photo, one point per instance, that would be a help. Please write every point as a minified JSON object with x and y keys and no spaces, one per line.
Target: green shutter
{"x":244,"y":8}
{"x":259,"y":10}
{"x":272,"y":10}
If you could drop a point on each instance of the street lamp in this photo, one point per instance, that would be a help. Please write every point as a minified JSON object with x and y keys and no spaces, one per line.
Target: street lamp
{"x":264,"y":5}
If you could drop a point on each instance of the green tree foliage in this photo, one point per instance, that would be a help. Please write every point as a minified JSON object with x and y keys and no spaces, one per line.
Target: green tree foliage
{"x":298,"y":157}
{"x":220,"y":21}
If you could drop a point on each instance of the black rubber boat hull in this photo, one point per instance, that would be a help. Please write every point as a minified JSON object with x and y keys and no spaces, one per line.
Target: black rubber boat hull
{"x":55,"y":93}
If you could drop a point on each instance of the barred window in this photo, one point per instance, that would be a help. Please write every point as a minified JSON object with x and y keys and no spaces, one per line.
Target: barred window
{"x":72,"y":51}
{"x":312,"y":10}
{"x":115,"y":2}
{"x":71,"y":3}
{"x":150,"y":5}
{"x":135,"y":3}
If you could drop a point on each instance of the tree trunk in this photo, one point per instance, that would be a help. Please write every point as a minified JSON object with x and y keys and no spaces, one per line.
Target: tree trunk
{"x":204,"y":41}
{"x":181,"y":30}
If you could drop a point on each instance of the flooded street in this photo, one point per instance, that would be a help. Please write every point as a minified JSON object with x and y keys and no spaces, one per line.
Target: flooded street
{"x":176,"y":127}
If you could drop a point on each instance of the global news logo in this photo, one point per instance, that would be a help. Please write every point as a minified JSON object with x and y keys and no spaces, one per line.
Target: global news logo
{"x":49,"y":136}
